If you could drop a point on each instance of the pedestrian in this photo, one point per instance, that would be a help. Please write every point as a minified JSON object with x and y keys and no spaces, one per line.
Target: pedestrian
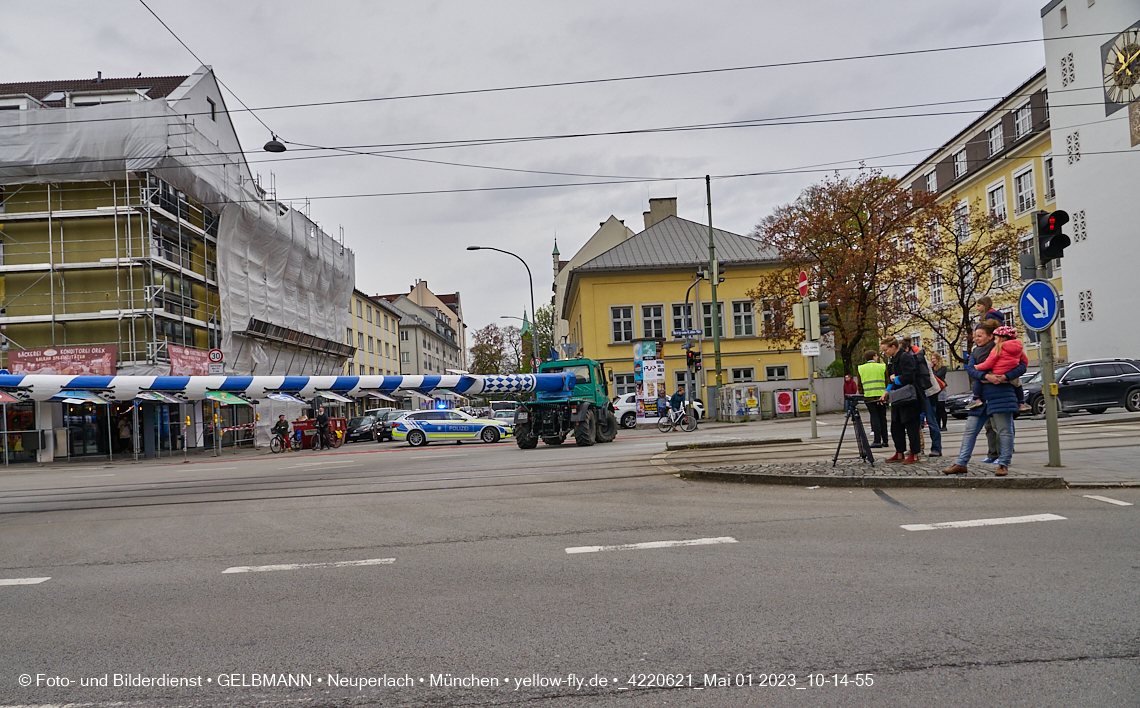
{"x":124,"y":434}
{"x":986,"y":310}
{"x":938,"y":401}
{"x":677,"y":400}
{"x":873,"y":380}
{"x":850,"y":385}
{"x":905,"y":395}
{"x":924,"y":382}
{"x":999,"y":403}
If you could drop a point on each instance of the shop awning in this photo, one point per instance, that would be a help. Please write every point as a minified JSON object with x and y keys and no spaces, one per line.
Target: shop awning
{"x":373,"y":393}
{"x":78,"y":397}
{"x":285,"y":398}
{"x":228,"y":398}
{"x":157,"y":396}
{"x":333,"y":396}
{"x":6,"y":399}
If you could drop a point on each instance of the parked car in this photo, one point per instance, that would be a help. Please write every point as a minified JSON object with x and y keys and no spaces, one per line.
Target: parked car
{"x":503,"y":415}
{"x":625,"y":408}
{"x":421,"y":427}
{"x":384,"y":422}
{"x":1094,"y":385}
{"x":360,"y":428}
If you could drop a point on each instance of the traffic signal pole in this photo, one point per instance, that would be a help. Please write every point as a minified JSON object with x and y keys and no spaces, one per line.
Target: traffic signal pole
{"x":810,"y":336}
{"x":1048,"y":374}
{"x":714,"y":276}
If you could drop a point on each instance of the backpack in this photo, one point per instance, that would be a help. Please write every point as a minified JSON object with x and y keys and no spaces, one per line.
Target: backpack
{"x":926,"y":380}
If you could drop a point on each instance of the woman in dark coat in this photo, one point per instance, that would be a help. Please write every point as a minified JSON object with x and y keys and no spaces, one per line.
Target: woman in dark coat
{"x":902,"y":370}
{"x":938,"y":400}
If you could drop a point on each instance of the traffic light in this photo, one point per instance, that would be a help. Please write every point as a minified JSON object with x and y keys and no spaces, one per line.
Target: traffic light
{"x":1051,"y":243}
{"x":697,"y":363}
{"x":798,"y":315}
{"x":690,"y":358}
{"x":820,"y":319}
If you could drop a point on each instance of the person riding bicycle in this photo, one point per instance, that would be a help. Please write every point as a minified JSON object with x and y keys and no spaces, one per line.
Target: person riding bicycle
{"x":323,"y":426}
{"x":677,"y":400}
{"x":281,"y":429}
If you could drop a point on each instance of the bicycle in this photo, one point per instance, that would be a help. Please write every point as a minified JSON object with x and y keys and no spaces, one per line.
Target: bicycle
{"x":683,"y":419}
{"x":335,"y":439}
{"x":280,"y":443}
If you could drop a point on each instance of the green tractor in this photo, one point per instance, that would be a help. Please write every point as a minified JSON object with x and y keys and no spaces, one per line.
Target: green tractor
{"x":586,"y":413}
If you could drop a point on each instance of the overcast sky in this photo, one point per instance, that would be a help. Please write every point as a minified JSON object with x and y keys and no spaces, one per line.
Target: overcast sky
{"x":286,"y":52}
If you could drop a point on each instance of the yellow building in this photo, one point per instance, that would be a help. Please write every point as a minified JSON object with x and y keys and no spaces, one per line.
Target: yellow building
{"x":1002,"y":162}
{"x":648,"y":287}
{"x":376,"y":336}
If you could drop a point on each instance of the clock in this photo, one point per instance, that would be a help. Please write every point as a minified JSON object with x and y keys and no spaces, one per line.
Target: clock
{"x":1121,"y":69}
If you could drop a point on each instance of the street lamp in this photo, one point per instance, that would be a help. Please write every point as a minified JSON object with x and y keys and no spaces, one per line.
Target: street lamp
{"x":534,"y":330}
{"x":274,"y":145}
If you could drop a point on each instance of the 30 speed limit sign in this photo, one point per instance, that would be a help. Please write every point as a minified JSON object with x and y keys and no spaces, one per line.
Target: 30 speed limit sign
{"x":215,"y":357}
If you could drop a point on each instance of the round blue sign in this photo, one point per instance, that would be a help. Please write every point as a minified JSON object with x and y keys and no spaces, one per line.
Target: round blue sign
{"x":1038,"y":305}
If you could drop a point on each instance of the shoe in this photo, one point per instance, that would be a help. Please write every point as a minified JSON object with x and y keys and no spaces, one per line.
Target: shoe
{"x":944,"y":428}
{"x":989,"y":461}
{"x":1002,"y":471}
{"x":910,"y":459}
{"x":877,"y":445}
{"x":976,"y":403}
{"x":897,"y":457}
{"x":955,"y":469}
{"x":934,"y":454}
{"x":1024,"y":407}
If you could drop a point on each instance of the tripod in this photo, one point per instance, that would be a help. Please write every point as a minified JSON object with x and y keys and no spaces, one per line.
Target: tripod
{"x":856,"y":422}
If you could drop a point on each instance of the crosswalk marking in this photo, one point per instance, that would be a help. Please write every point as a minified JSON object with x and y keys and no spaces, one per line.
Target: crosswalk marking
{"x":1109,"y":500}
{"x":23,"y":581}
{"x":652,"y":544}
{"x":983,"y":522}
{"x":295,"y":566}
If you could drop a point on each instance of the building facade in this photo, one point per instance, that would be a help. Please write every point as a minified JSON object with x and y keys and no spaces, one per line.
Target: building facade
{"x":1003,"y":163}
{"x":433,"y":335}
{"x":647,"y":287}
{"x":375,"y":332}
{"x":1092,"y":53}
{"x":610,"y":233}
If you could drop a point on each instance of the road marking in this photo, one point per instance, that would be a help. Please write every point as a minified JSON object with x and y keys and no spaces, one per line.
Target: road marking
{"x":1108,"y":500}
{"x":1113,"y":435}
{"x":85,"y":476}
{"x":22,"y":581}
{"x":652,"y":544}
{"x":983,"y":522}
{"x":433,"y":457}
{"x":320,"y":463}
{"x":295,"y":566}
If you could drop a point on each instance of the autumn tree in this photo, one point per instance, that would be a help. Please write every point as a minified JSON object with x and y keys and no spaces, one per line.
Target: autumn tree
{"x":489,"y":353}
{"x":846,"y":233}
{"x":972,"y":253}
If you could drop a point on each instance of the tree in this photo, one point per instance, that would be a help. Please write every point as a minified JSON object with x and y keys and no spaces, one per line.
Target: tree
{"x":515,"y":354}
{"x":543,"y":327}
{"x":489,"y":353}
{"x":973,"y":253}
{"x":847,"y":233}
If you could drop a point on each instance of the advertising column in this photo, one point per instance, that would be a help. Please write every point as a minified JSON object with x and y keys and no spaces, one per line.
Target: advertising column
{"x":649,"y":377}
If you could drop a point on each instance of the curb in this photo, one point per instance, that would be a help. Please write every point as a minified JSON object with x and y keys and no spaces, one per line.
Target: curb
{"x":731,"y":443}
{"x":948,"y":482}
{"x":1103,"y":485}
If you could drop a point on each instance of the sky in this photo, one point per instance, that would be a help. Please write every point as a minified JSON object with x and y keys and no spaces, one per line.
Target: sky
{"x":282,"y":53}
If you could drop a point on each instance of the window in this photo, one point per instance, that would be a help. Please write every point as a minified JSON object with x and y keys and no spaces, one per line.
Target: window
{"x":1002,"y":268}
{"x":968,"y":275}
{"x":360,"y":341}
{"x":349,"y":369}
{"x":370,"y":351}
{"x":932,"y":181}
{"x":1023,"y":191}
{"x":776,"y":373}
{"x":1022,"y":122}
{"x":359,"y":308}
{"x":911,"y":294}
{"x":772,"y":320}
{"x":372,"y":371}
{"x":622,"y":319}
{"x":995,"y":198}
{"x":962,"y":221}
{"x":1064,"y":24}
{"x":996,"y":140}
{"x":348,"y":340}
{"x":369,"y":314}
{"x":959,"y":163}
{"x":706,"y":308}
{"x":936,"y":293}
{"x":933,"y":238}
{"x":742,"y":319}
{"x":651,"y":321}
{"x":683,"y":317}
{"x":213,"y":109}
{"x":403,"y":335}
{"x":1062,"y":331}
{"x":623,"y":384}
{"x":916,"y":339}
{"x":405,"y":358}
{"x":386,"y":350}
{"x":1045,"y":99}
{"x":940,"y":344}
{"x":1050,"y":190}
{"x":742,"y":375}
{"x":683,"y":380}
{"x":907,"y":241}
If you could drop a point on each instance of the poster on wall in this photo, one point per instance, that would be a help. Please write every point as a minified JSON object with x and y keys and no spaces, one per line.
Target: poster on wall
{"x":649,"y":377}
{"x":65,"y":361}
{"x":187,"y":361}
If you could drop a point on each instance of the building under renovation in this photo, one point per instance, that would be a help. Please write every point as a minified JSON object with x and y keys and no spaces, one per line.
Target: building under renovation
{"x":133,"y":239}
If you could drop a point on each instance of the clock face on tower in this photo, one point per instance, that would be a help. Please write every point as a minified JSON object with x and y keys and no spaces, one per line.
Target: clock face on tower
{"x":1121,"y":69}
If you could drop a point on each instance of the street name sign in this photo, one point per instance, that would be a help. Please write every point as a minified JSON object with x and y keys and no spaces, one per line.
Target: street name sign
{"x":686,"y":333}
{"x":1038,"y":305}
{"x":809,"y":349}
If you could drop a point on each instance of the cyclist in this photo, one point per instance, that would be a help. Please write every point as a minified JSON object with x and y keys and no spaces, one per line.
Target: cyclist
{"x":323,"y":427}
{"x":677,"y":400}
{"x":281,"y":430}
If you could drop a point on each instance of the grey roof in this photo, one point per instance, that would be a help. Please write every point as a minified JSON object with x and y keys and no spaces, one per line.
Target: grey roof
{"x":674,"y":242}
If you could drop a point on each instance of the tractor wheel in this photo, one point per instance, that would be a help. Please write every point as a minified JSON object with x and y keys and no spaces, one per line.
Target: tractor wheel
{"x":525,"y":440}
{"x":607,"y":427}
{"x":585,"y":431}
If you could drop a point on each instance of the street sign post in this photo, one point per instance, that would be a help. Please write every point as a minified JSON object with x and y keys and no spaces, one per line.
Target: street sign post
{"x":809,"y":349}
{"x":803,"y":283}
{"x":215,"y":357}
{"x":1038,"y":305}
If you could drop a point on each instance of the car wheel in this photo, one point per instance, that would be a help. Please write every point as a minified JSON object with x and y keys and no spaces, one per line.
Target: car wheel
{"x":1097,"y":410}
{"x":629,"y":419}
{"x":1132,"y":400}
{"x":416,"y":438}
{"x":489,"y":435}
{"x":1038,"y":405}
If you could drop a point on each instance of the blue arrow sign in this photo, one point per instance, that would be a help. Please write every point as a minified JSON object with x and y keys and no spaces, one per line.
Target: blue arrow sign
{"x":1038,"y":305}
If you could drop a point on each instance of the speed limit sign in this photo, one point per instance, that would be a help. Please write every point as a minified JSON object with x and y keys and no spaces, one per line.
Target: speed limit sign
{"x":215,"y":356}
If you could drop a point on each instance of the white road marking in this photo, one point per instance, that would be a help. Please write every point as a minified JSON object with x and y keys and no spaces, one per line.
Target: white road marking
{"x":652,"y":544}
{"x":1108,"y":500}
{"x":85,"y":476}
{"x":434,"y":457}
{"x":1113,"y":435}
{"x":983,"y":522}
{"x":22,"y":581}
{"x":295,"y":566}
{"x":319,"y":463}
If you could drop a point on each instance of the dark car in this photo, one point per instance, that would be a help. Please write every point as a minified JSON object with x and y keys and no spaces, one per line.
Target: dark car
{"x":384,"y":420}
{"x":360,"y":429}
{"x":956,"y":404}
{"x":1094,"y":385}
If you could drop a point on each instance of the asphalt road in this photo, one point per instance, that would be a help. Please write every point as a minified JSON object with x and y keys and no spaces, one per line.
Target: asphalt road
{"x":386,"y":562}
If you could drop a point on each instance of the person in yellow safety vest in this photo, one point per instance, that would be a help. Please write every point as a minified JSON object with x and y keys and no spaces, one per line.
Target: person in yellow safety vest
{"x":873,"y":381}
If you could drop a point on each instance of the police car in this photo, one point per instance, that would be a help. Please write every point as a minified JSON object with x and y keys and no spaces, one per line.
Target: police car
{"x":421,"y":427}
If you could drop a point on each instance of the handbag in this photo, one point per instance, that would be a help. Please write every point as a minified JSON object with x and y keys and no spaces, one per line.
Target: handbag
{"x":903,"y":395}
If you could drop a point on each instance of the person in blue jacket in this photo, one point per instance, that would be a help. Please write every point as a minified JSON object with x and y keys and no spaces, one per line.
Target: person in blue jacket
{"x":999,"y":403}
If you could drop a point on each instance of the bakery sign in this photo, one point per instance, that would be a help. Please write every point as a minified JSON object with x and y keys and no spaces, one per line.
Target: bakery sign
{"x":65,"y":361}
{"x":187,"y":361}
